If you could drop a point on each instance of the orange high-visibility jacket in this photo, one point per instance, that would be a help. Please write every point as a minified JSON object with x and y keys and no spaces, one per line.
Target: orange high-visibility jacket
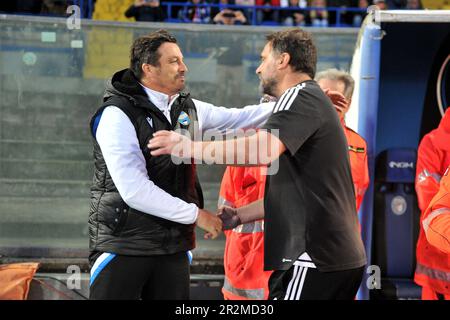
{"x":433,"y":246}
{"x":245,"y":277}
{"x":432,"y":159}
{"x":357,"y":149}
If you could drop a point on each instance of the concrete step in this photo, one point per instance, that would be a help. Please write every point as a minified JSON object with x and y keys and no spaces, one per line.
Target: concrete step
{"x":45,"y":150}
{"x":49,"y":102}
{"x":46,"y":169}
{"x":67,"y":115}
{"x":50,"y":221}
{"x":61,"y":233}
{"x":53,"y":85}
{"x":78,"y":132}
{"x":44,"y":188}
{"x":40,"y":210}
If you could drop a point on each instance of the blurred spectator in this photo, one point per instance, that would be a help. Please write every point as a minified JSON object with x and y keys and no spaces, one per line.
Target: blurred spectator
{"x":318,"y":16}
{"x":381,"y":4}
{"x":145,"y":10}
{"x":345,"y":17}
{"x":23,"y":6}
{"x":293,"y":17}
{"x":395,"y":4}
{"x":7,"y":6}
{"x":358,"y":17}
{"x":221,"y":5}
{"x":245,"y":2}
{"x":54,"y":7}
{"x":414,"y":5}
{"x":36,"y":7}
{"x":267,"y":15}
{"x":229,"y":16}
{"x":196,"y":13}
{"x":176,"y":9}
{"x":247,"y":12}
{"x":301,"y":3}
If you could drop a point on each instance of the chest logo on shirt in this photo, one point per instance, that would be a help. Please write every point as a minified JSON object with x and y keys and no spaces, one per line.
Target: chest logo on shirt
{"x":356,"y":149}
{"x":183,"y":119}
{"x":150,"y":121}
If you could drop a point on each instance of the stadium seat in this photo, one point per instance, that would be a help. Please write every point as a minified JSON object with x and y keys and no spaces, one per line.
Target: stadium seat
{"x":434,"y":4}
{"x":107,"y":52}
{"x":112,"y":10}
{"x":396,"y":224}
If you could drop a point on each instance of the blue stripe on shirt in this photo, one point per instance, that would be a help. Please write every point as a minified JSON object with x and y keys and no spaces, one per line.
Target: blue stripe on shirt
{"x":96,"y":122}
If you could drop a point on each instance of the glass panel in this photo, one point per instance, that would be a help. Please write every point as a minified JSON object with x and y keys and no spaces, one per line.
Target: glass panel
{"x":51,"y":82}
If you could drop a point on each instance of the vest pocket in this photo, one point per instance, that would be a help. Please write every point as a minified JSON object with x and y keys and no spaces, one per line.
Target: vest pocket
{"x":112,"y":213}
{"x":121,"y":219}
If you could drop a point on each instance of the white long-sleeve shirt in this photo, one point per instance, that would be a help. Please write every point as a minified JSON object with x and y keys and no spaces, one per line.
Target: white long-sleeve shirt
{"x":119,"y":144}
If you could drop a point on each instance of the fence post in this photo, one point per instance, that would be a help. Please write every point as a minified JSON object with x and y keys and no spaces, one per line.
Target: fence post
{"x":169,"y":11}
{"x":254,"y":16}
{"x":90,"y":9}
{"x":81,"y":5}
{"x":338,"y":17}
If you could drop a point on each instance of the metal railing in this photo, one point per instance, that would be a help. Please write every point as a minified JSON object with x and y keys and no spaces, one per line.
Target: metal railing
{"x":254,"y":9}
{"x":87,"y":9}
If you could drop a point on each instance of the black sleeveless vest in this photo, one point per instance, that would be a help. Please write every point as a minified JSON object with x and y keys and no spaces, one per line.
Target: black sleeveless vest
{"x":115,"y":227}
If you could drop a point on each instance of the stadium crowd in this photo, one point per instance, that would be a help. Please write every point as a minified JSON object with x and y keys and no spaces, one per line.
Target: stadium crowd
{"x":316,"y":13}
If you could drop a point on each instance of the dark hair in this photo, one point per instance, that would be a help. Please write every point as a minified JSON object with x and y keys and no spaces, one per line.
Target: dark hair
{"x":145,"y":50}
{"x":300,"y":47}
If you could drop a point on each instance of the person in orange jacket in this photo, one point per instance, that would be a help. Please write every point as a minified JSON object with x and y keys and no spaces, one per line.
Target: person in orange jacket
{"x":245,"y":278}
{"x":342,"y":82}
{"x":432,"y":161}
{"x":433,"y":246}
{"x":433,"y":157}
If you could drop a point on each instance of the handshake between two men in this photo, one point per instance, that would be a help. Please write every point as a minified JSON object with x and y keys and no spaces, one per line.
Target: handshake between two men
{"x":178,"y":145}
{"x":229,"y":218}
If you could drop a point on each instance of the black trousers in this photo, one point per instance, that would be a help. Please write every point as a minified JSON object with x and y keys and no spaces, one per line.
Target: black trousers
{"x":303,"y":283}
{"x":164,"y":277}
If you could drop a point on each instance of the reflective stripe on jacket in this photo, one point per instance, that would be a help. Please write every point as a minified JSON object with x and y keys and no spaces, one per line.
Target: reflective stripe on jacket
{"x":357,"y":150}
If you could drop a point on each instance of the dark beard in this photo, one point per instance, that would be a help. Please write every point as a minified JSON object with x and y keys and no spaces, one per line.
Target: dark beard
{"x":269,"y":87}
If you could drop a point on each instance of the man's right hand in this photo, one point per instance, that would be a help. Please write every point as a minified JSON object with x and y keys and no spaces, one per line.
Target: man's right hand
{"x":209,"y":222}
{"x":229,"y":217}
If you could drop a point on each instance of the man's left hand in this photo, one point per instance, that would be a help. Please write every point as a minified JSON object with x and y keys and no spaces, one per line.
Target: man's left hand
{"x":338,"y":100}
